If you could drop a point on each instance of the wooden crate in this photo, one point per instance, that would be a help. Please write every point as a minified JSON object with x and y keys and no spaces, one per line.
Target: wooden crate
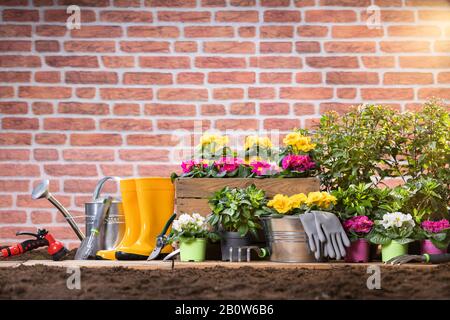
{"x":192,"y":194}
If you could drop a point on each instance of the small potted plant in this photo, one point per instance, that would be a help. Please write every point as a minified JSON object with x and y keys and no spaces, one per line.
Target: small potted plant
{"x":192,"y":233}
{"x":394,"y":232}
{"x":435,"y":236}
{"x":357,"y":229}
{"x":234,"y":215}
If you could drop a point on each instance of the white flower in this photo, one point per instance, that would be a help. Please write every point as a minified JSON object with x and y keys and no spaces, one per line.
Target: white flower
{"x":176,"y":226}
{"x":184,"y":219}
{"x":397,"y":219}
{"x":198,"y":219}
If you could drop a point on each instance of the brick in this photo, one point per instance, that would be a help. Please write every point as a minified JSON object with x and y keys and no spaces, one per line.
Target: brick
{"x":237,"y":16}
{"x":183,"y":16}
{"x":213,"y":3}
{"x":126,"y":93}
{"x":16,"y":170}
{"x":40,"y":108}
{"x":97,"y":32}
{"x":219,"y":62}
{"x":346,"y":93}
{"x":13,"y":216}
{"x":185,"y":46}
{"x":312,"y":31}
{"x":308,"y":77}
{"x":228,"y":93}
{"x":45,"y":92}
{"x":14,"y":154}
{"x":118,"y":62}
{"x":183,"y":94}
{"x":246,"y":108}
{"x":72,"y":61}
{"x":407,"y":78}
{"x":85,"y":3}
{"x":51,"y":31}
{"x":86,"y":185}
{"x":46,"y":46}
{"x":125,"y":124}
{"x":247,"y":32}
{"x":74,"y":170}
{"x":414,"y":31}
{"x":389,"y":3}
{"x":83,"y":108}
{"x":334,"y":16}
{"x":404,"y":46}
{"x":428,"y":3}
{"x":172,"y":62}
{"x":47,"y":76}
{"x":117,"y":170}
{"x":69,"y":124}
{"x":152,"y":140}
{"x":390,"y":16}
{"x":41,"y":217}
{"x":276,"y":31}
{"x":153,"y":78}
{"x":5,"y":201}
{"x":14,"y":30}
{"x":234,"y":77}
{"x":302,"y":109}
{"x":283,"y":16}
{"x":6,"y":92}
{"x":85,"y":93}
{"x":242,"y":3}
{"x":332,"y":62}
{"x":20,"y":15}
{"x":434,"y":15}
{"x":7,"y":61}
{"x":209,"y":32}
{"x":126,"y":109}
{"x":387,"y":93}
{"x":276,"y":62}
{"x":274,"y":109}
{"x":307,"y":46}
{"x":304,"y":3}
{"x":15,"y":139}
{"x":306,"y":93}
{"x":15,"y":123}
{"x":60,"y":15}
{"x":275,"y":3}
{"x":156,"y":109}
{"x":378,"y":62}
{"x":126,"y":16}
{"x":88,"y":155}
{"x":144,"y":46}
{"x":50,"y":138}
{"x":441,"y":93}
{"x":275,"y":47}
{"x":157,"y":170}
{"x":172,"y":124}
{"x":213,"y":110}
{"x":89,"y":46}
{"x":281,"y":124}
{"x":356,"y":32}
{"x":229,"y":47}
{"x":97,"y":139}
{"x":14,"y":185}
{"x":13,"y":107}
{"x":237,"y":124}
{"x":349,"y":46}
{"x":431,"y":62}
{"x":19,"y":76}
{"x":444,"y":77}
{"x":352,"y":78}
{"x":340,"y":108}
{"x":9,"y":45}
{"x":345,"y":3}
{"x":45,"y":154}
{"x":171,"y":3}
{"x":275,"y":77}
{"x":190,"y":78}
{"x":261,"y":93}
{"x":442,"y":46}
{"x":144,"y":155}
{"x":153,"y":32}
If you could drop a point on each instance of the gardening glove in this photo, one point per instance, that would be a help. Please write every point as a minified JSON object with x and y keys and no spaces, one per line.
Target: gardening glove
{"x":331,"y":232}
{"x":309,"y":224}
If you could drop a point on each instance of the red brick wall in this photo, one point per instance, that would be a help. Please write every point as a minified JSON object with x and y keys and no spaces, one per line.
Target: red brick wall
{"x":105,"y":99}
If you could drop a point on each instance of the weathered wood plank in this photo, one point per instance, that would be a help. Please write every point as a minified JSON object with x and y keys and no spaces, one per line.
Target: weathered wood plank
{"x":191,"y":205}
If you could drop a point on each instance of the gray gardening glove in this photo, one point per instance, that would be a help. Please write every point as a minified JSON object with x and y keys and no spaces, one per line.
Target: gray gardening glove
{"x":309,"y":224}
{"x":331,"y":232}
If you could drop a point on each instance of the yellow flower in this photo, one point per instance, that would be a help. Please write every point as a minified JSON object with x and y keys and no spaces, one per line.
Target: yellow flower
{"x":207,"y":139}
{"x":263,"y":142}
{"x":299,"y":142}
{"x":297,"y":200}
{"x":327,"y":200}
{"x":280,"y":203}
{"x":314,"y":198}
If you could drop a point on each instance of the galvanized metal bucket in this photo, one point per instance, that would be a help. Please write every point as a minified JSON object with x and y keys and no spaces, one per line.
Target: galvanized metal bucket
{"x":287,"y":239}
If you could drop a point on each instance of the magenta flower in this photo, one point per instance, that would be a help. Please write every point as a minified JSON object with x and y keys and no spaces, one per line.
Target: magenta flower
{"x":436,"y":226}
{"x":189,"y":165}
{"x":297,"y":162}
{"x":260,"y":167}
{"x":228,"y":164}
{"x":359,"y":224}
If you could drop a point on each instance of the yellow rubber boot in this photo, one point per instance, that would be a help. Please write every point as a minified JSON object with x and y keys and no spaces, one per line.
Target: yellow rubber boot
{"x":156,"y":197}
{"x":132,"y":219}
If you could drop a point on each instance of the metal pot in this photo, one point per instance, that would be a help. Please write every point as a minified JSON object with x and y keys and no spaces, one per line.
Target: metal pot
{"x":112,"y":230}
{"x":287,"y":239}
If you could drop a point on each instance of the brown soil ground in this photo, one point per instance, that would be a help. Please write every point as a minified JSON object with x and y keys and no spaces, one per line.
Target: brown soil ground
{"x":41,"y":282}
{"x":39,"y":255}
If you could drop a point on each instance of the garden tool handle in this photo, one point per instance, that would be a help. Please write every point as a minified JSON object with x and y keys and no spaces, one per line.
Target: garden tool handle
{"x":437,"y":258}
{"x":100,"y":184}
{"x":167,"y":225}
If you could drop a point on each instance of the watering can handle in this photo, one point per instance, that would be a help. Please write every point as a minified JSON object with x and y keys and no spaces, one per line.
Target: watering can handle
{"x":100,"y":184}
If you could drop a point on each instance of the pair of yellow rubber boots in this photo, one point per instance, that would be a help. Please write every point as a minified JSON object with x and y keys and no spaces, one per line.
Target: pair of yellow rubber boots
{"x":147,"y":205}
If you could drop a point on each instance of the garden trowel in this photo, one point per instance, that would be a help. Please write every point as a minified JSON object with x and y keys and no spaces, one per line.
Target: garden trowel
{"x":161,"y":239}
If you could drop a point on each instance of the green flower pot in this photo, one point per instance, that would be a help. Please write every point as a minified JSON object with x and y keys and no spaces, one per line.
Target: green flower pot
{"x":192,"y":249}
{"x":392,"y":250}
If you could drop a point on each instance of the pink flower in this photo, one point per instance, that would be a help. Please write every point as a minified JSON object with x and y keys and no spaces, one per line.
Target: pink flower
{"x":228,"y":164}
{"x":260,"y":167}
{"x":436,"y":226}
{"x":188,"y":166}
{"x":297,"y":162}
{"x":359,"y":224}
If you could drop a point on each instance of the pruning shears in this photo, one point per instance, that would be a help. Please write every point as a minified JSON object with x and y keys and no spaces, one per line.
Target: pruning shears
{"x":161,"y":239}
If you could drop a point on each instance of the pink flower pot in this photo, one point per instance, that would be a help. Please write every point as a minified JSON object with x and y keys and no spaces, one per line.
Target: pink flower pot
{"x":428,"y":247}
{"x":358,"y":251}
